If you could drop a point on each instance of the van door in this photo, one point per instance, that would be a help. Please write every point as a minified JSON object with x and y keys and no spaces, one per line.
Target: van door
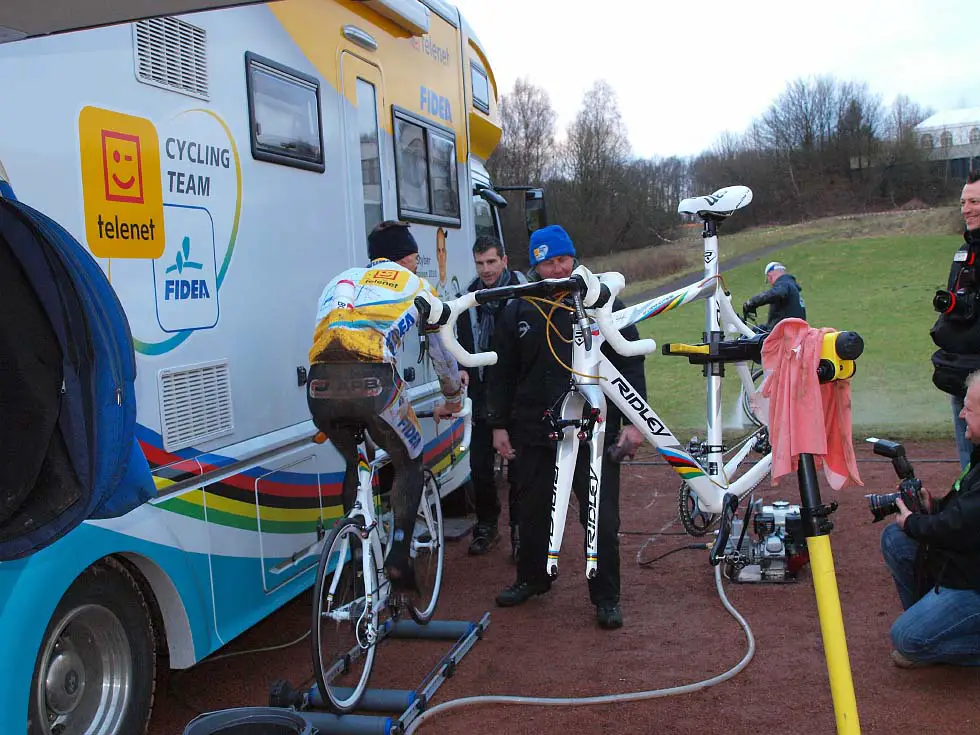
{"x":368,"y":164}
{"x":363,"y":116}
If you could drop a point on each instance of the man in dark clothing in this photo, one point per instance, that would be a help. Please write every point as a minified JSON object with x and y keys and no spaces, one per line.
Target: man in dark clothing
{"x":957,"y":329}
{"x":526,"y":381}
{"x":935,"y":560}
{"x":783,"y":297}
{"x":475,"y":332}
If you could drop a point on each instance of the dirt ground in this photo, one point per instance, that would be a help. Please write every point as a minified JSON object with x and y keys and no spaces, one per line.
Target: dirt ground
{"x":676,"y":632}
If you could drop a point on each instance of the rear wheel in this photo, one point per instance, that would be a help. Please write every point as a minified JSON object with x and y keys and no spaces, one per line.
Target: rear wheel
{"x":429,"y":551}
{"x":345,"y":617}
{"x":95,"y":672}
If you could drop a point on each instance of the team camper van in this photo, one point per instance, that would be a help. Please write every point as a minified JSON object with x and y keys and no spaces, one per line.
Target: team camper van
{"x":222,"y":166}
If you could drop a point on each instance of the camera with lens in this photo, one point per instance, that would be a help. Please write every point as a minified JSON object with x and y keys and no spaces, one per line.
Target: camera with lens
{"x":909,"y":489}
{"x":960,"y":303}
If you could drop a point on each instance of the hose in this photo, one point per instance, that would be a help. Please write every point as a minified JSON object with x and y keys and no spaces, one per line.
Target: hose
{"x":606,"y":698}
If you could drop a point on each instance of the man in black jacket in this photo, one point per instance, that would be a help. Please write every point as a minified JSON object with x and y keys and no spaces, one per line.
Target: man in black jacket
{"x":475,"y":332}
{"x":783,"y":297}
{"x":935,"y":561}
{"x":957,"y":329}
{"x":526,"y":381}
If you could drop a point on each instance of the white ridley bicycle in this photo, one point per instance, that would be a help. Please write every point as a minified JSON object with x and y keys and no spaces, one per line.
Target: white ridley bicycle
{"x":594,"y":378}
{"x":352,"y":603}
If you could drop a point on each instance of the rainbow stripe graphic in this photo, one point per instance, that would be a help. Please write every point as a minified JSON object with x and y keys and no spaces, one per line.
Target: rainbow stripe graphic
{"x":665,"y":306}
{"x":682,"y":463}
{"x":285,"y":501}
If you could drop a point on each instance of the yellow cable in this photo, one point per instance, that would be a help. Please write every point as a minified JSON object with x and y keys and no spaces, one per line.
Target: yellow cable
{"x":549,"y":325}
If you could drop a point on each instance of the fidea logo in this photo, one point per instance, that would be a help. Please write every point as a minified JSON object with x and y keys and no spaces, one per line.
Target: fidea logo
{"x":183,"y":289}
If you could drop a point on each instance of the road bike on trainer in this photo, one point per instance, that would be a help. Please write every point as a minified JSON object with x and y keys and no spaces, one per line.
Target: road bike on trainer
{"x":352,"y":601}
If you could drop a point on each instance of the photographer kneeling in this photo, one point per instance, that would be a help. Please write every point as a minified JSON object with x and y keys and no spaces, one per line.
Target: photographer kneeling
{"x":935,"y":560}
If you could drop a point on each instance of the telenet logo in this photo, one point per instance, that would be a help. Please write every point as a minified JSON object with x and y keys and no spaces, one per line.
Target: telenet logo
{"x":121,"y":184}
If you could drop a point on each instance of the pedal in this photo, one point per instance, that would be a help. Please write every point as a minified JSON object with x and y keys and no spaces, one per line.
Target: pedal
{"x":729,"y":506}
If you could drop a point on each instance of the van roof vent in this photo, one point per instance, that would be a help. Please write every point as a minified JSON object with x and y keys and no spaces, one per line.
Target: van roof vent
{"x":195,"y":404}
{"x":172,"y":54}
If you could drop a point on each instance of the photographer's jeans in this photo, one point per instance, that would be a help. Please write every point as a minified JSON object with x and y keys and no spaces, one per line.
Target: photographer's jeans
{"x":964,"y":447}
{"x":940,"y":627}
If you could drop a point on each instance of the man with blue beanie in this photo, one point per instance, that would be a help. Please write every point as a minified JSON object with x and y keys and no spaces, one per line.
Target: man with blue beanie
{"x":526,"y":381}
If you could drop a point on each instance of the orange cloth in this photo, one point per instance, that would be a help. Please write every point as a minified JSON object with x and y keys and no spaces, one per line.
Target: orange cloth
{"x":805,"y":416}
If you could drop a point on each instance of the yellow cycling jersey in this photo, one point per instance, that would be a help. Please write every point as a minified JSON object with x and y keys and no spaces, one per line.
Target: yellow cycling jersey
{"x":364,"y":313}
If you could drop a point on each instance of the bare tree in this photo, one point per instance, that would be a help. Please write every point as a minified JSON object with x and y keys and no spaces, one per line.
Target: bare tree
{"x":526,"y":150}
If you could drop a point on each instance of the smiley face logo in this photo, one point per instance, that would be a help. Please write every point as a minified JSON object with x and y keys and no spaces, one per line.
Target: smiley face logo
{"x":122,"y":167}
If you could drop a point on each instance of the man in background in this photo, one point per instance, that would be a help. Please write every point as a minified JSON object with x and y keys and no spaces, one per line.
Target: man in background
{"x":475,"y":332}
{"x":783,"y":297}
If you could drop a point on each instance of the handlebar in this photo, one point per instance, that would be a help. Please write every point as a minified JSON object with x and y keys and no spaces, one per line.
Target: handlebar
{"x":588,"y":291}
{"x":465,"y":413}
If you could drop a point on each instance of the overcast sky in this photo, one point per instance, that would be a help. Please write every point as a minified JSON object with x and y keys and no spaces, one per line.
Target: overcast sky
{"x":685,"y":72}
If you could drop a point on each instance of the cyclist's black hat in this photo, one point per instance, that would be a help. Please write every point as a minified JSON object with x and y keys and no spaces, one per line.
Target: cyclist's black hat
{"x":392,"y":240}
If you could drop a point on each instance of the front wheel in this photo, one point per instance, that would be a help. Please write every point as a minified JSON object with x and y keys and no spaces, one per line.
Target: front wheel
{"x":429,"y":552}
{"x":345,"y":616}
{"x":95,"y":672}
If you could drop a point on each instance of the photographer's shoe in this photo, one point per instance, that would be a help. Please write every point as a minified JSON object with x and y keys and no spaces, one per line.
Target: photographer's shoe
{"x":609,"y":616}
{"x":906,"y":663}
{"x":520,"y":592}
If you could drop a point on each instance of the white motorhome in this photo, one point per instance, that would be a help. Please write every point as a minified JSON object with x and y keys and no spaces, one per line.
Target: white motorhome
{"x":222,"y":166}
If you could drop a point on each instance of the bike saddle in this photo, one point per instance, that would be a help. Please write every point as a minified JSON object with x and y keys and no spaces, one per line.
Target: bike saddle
{"x":720,"y":204}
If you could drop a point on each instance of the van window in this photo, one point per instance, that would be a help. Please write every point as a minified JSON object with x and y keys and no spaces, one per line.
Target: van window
{"x":481,"y":88}
{"x":425,"y":171}
{"x":483,"y":218}
{"x":284,"y":114}
{"x":367,"y":128}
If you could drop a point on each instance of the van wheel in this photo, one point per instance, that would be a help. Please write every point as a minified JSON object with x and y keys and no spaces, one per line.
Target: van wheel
{"x":95,"y":672}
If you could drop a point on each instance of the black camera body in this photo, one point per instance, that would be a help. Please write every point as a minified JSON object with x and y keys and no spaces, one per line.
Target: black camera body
{"x":909,"y":489}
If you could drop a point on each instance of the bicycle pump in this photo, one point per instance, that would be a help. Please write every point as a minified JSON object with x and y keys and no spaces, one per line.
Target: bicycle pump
{"x":837,"y":356}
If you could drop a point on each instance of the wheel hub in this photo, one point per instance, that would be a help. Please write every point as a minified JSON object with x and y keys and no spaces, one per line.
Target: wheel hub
{"x":64,"y":684}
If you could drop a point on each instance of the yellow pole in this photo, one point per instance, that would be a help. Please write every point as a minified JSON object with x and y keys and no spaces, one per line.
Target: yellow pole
{"x":832,"y":630}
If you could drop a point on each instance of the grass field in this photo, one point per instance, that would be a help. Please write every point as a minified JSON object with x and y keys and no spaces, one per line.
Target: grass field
{"x":881,"y":287}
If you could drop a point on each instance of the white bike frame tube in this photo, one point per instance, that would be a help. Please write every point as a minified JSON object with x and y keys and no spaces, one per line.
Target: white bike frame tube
{"x":565,"y":458}
{"x":715,"y":456}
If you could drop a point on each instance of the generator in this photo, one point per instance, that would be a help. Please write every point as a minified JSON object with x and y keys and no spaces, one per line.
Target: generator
{"x":776,"y":550}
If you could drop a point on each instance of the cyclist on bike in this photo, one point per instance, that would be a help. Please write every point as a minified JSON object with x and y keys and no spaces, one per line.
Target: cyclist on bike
{"x":783,"y":297}
{"x":362,"y":318}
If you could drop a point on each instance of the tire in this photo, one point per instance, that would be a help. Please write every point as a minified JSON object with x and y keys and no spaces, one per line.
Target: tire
{"x":429,"y":552}
{"x":345,"y":622}
{"x":96,"y":671}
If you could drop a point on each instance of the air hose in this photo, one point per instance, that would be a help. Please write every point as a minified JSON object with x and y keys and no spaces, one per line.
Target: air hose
{"x":606,"y":698}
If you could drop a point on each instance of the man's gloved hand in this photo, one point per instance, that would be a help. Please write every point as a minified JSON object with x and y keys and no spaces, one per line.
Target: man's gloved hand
{"x":748,"y":307}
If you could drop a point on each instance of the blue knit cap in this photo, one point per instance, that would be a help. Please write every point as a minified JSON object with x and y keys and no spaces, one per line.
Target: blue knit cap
{"x":549,"y":242}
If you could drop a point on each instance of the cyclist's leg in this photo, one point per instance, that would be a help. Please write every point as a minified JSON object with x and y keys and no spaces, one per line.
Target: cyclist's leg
{"x":326,"y":407}
{"x":395,"y":428}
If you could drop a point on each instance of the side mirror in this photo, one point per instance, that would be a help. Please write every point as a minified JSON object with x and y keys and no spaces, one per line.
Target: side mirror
{"x":535,"y":211}
{"x":493,"y":198}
